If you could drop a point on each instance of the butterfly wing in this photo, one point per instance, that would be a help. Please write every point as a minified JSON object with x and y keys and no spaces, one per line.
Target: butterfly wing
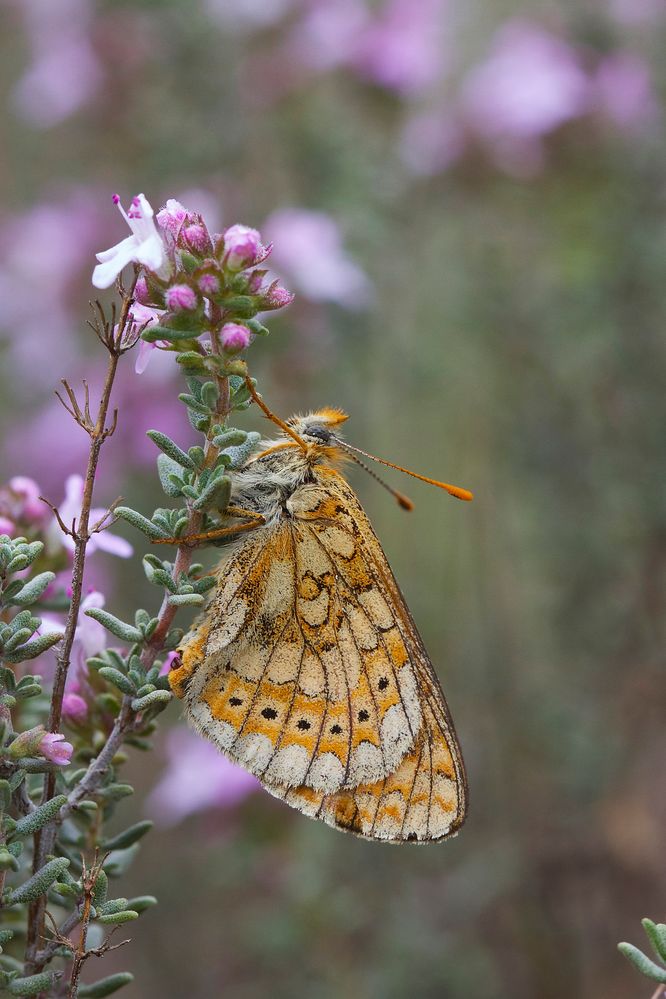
{"x":307,"y":669}
{"x":425,"y":798}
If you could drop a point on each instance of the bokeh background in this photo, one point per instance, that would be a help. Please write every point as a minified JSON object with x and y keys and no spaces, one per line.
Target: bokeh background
{"x":469,"y":201}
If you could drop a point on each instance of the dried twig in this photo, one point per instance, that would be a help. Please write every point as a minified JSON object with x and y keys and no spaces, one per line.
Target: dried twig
{"x":111,"y":335}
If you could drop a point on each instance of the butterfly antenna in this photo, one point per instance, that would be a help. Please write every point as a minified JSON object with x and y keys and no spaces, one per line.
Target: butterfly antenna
{"x":271,"y":416}
{"x":457,"y":491}
{"x":403,"y":500}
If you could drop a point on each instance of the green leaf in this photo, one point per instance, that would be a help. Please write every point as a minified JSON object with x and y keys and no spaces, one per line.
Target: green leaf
{"x":33,"y":984}
{"x":40,"y":882}
{"x":171,"y":449}
{"x":656,"y":933}
{"x":153,"y":333}
{"x":29,"y":824}
{"x":18,"y":638}
{"x":114,"y":792}
{"x":216,"y":494}
{"x":257,"y":328}
{"x":141,"y":903}
{"x":100,"y":889}
{"x":158,"y":698}
{"x":32,"y":589}
{"x":170,"y":474}
{"x":118,"y":679}
{"x":141,"y":523}
{"x":113,"y":905}
{"x":230,"y":438}
{"x":641,"y":961}
{"x":16,"y":780}
{"x":126,"y":632}
{"x":5,"y":937}
{"x":105,"y":986}
{"x":129,"y":836}
{"x":186,"y":600}
{"x":33,"y":648}
{"x":119,"y":917}
{"x":8,"y":861}
{"x":192,"y":360}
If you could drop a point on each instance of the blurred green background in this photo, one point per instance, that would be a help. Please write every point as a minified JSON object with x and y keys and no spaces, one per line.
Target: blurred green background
{"x":508,"y":336}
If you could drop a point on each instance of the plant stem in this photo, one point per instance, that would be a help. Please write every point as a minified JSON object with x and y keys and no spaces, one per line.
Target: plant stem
{"x":183,"y":560}
{"x":98,"y":433}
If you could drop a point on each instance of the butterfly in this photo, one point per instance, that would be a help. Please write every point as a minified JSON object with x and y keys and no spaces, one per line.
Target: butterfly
{"x":306,"y":667}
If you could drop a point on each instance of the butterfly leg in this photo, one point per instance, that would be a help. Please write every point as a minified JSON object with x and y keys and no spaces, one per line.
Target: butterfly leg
{"x":252,"y":521}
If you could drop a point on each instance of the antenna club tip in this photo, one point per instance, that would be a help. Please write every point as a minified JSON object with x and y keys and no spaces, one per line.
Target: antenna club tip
{"x":404,"y":502}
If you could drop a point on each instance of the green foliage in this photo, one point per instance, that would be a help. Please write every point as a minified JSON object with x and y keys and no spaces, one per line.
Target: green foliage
{"x":32,"y":985}
{"x":105,"y":986}
{"x":40,"y":882}
{"x":126,"y":632}
{"x":36,"y":820}
{"x":656,"y":934}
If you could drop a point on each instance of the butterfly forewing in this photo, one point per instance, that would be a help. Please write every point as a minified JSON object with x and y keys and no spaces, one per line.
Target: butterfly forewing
{"x":307,"y":669}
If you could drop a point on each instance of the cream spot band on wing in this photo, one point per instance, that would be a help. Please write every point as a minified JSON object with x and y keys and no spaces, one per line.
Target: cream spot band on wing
{"x":306,"y":668}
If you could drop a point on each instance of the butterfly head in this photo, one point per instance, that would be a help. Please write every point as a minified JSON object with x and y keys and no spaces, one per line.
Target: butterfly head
{"x":319,"y":427}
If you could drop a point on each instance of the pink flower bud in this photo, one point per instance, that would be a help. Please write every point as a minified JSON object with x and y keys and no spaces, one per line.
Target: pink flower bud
{"x":31,"y":507}
{"x":141,"y":293}
{"x":235,"y":337}
{"x":197,"y":238}
{"x":74,"y":708}
{"x":242,"y":247}
{"x":255,"y":282}
{"x":54,"y":748}
{"x":6,"y":526}
{"x":172,"y":216}
{"x":209,"y":284}
{"x":276,"y":297}
{"x":180,"y":297}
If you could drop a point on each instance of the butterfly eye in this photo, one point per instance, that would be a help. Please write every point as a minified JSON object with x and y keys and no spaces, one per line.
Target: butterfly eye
{"x":319,"y":433}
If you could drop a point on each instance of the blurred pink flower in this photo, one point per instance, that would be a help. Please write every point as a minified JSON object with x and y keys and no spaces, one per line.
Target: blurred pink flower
{"x":44,"y":253}
{"x":403,"y":48}
{"x":308,"y":249}
{"x":327,"y":34}
{"x":431,"y":142}
{"x":74,"y":708}
{"x":198,"y":777}
{"x":623,"y":91}
{"x":65,"y":73}
{"x":144,"y":246}
{"x":7,"y":526}
{"x":89,"y":640}
{"x":20,"y":504}
{"x":531,"y":83}
{"x":30,"y":507}
{"x":54,"y":748}
{"x":70,"y":510}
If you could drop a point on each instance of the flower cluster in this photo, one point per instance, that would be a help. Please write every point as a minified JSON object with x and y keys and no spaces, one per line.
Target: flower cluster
{"x":192,"y":282}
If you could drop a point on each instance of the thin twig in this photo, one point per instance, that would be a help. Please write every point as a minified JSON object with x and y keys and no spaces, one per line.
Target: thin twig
{"x":88,"y":879}
{"x":98,"y":432}
{"x":94,"y":776}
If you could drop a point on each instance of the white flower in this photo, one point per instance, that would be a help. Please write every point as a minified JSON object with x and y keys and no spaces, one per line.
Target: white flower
{"x":145,"y":245}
